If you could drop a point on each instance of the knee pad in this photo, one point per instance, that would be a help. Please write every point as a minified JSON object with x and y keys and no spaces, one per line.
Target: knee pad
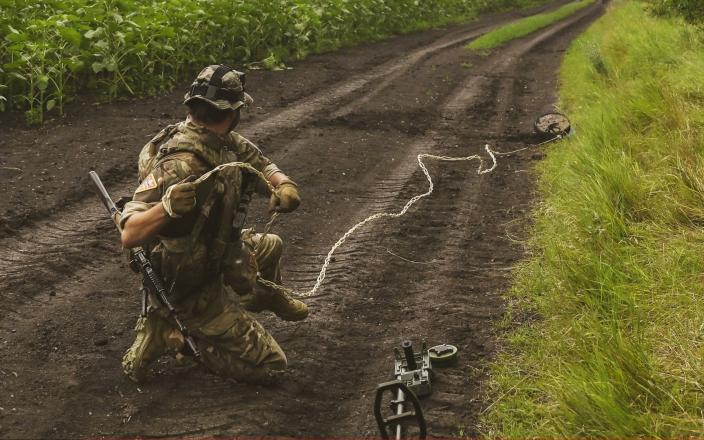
{"x":277,"y":244}
{"x":273,"y":247}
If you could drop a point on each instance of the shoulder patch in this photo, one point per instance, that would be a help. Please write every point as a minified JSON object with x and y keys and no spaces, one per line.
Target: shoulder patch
{"x":147,"y":184}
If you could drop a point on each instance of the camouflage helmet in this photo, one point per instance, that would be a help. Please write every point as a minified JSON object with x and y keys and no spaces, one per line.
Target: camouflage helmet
{"x":221,"y":86}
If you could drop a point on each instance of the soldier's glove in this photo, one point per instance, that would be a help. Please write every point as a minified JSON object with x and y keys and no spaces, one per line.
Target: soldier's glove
{"x":180,"y":198}
{"x":285,"y":198}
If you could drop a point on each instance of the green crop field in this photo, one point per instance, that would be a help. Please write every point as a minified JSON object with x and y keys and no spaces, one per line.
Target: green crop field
{"x":51,"y":50}
{"x":606,"y":335}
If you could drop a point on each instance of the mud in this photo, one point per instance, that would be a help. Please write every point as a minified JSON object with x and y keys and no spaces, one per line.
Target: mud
{"x":347,"y":126}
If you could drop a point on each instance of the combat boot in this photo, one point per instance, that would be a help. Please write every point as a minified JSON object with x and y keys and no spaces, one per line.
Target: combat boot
{"x":155,"y":337}
{"x":281,"y":303}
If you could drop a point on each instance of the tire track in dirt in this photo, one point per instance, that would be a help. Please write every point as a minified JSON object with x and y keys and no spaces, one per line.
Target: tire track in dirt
{"x":39,"y":165}
{"x":442,"y":228}
{"x":310,"y":108}
{"x":350,"y":308}
{"x":465,"y":233}
{"x":339,"y":355}
{"x":65,"y":303}
{"x":62,"y":233}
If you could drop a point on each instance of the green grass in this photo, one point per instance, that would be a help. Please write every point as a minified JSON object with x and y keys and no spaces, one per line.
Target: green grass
{"x":606,"y":318}
{"x":525,"y":26}
{"x":692,"y":10}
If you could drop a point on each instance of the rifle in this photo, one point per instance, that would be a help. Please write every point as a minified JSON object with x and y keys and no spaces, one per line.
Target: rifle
{"x":151,"y":280}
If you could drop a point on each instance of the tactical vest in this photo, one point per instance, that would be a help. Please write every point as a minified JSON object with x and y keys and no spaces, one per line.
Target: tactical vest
{"x":147,"y":156}
{"x":181,"y":137}
{"x":207,"y":243}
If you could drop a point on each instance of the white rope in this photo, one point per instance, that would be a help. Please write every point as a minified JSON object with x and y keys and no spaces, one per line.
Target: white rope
{"x":241,"y":165}
{"x":431,"y":187}
{"x":371,"y":218}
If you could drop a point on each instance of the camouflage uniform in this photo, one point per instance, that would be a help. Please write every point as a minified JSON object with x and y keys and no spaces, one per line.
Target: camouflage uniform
{"x":208,"y":290}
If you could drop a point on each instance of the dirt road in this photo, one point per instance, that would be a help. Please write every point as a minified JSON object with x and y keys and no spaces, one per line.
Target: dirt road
{"x":347,"y":126}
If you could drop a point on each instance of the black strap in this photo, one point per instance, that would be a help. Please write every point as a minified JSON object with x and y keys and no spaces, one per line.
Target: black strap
{"x":203,"y":214}
{"x":216,"y":79}
{"x":211,"y":92}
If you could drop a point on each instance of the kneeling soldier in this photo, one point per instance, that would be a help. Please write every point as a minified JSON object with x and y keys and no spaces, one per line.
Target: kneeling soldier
{"x":195,"y":237}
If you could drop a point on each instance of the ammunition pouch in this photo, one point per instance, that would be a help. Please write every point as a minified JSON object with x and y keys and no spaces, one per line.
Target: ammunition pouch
{"x":172,"y":256}
{"x":239,"y":267}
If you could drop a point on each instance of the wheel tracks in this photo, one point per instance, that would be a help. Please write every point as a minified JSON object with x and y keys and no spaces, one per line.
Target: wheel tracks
{"x":339,"y":306}
{"x":70,"y":232}
{"x":465,"y":210}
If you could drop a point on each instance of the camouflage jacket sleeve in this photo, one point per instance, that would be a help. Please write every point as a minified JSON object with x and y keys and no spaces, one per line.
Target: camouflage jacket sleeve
{"x":150,"y":191}
{"x":250,"y":153}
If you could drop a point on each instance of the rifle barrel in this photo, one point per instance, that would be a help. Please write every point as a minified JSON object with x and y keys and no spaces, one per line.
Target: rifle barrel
{"x":105,"y":198}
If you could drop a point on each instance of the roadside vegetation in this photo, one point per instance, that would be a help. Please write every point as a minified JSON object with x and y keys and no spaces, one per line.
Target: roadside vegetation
{"x":691,"y":10}
{"x":606,"y":321}
{"x":525,"y":26}
{"x":51,"y":50}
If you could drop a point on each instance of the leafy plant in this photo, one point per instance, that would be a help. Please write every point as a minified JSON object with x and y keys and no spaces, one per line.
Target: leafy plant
{"x":51,"y":50}
{"x":692,"y":10}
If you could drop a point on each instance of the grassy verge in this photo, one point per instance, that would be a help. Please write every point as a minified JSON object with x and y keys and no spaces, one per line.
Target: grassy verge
{"x":526,"y":26}
{"x":51,"y":50}
{"x":691,"y":10}
{"x":607,"y":315}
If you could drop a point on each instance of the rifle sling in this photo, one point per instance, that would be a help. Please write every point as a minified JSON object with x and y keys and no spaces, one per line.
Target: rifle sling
{"x":195,"y":233}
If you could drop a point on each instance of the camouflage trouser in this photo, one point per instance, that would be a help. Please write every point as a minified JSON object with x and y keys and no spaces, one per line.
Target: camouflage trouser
{"x":268,"y":254}
{"x":233,"y":344}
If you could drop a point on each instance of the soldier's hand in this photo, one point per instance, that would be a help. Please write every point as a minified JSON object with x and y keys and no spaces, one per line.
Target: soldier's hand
{"x":285,"y":198}
{"x":180,"y":199}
